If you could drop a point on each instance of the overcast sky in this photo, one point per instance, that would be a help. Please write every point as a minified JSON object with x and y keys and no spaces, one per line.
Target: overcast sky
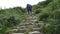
{"x":15,"y":3}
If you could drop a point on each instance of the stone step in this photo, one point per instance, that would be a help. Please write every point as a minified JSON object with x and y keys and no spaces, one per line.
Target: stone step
{"x":30,"y":21}
{"x":34,"y":32}
{"x":17,"y":33}
{"x":35,"y":29}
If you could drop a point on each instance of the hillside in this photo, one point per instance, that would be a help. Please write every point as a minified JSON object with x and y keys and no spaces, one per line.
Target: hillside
{"x":46,"y":12}
{"x":11,"y":17}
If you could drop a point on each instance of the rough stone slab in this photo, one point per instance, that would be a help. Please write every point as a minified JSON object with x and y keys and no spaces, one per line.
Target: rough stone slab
{"x":18,"y":33}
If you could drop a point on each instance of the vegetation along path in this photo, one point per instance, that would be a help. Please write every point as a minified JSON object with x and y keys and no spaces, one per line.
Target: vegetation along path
{"x":29,"y":26}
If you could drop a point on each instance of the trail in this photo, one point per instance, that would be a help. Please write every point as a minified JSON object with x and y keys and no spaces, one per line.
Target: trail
{"x":29,"y":26}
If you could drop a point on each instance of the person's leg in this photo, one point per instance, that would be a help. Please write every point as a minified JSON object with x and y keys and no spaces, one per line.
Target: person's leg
{"x":30,"y":12}
{"x":27,"y":11}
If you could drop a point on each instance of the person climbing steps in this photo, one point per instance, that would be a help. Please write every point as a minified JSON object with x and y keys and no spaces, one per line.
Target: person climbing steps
{"x":29,"y":9}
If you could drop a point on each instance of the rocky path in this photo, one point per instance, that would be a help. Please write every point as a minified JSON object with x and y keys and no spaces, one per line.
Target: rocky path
{"x":29,"y":26}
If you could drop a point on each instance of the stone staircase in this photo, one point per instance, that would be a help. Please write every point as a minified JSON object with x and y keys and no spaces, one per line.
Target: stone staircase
{"x":29,"y":26}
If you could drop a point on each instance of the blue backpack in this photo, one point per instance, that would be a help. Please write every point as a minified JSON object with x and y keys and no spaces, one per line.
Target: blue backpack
{"x":29,"y":7}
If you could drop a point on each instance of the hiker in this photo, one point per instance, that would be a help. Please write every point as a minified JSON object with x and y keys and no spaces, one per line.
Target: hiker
{"x":29,"y":9}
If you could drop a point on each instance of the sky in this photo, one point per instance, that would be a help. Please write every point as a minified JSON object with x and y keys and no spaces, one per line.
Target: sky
{"x":15,"y":3}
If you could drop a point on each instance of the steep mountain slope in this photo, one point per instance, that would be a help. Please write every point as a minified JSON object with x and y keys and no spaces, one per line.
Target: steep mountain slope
{"x":48,"y":12}
{"x":11,"y":17}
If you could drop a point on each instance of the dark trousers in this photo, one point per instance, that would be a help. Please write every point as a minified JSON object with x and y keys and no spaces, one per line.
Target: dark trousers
{"x":29,"y":12}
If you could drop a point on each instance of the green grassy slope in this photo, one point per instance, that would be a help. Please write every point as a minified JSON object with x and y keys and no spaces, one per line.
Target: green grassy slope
{"x":48,"y":11}
{"x":10,"y":18}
